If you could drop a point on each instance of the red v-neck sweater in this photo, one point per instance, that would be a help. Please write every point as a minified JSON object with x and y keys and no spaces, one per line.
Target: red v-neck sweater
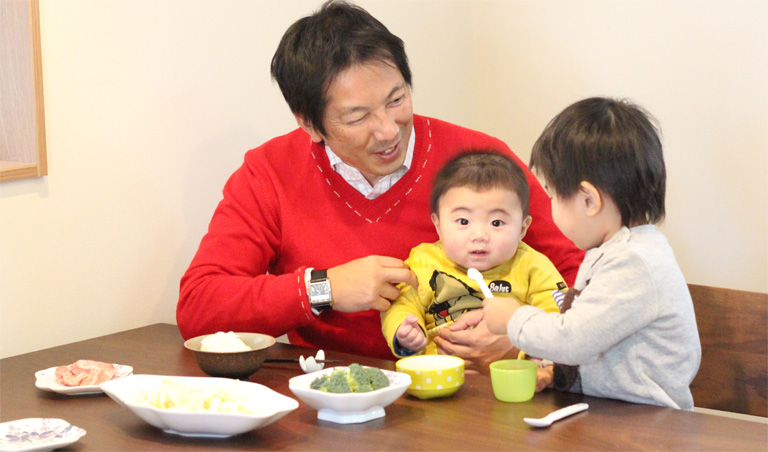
{"x":285,"y":209}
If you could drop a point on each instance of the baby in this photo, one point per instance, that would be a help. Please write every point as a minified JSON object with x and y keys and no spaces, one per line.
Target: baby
{"x":628,"y":329}
{"x":479,"y":206}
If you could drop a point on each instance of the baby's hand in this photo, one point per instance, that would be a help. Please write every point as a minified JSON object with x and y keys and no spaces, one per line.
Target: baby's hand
{"x":410,"y":335}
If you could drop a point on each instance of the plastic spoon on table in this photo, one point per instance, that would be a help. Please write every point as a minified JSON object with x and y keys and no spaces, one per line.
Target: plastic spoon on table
{"x":475,"y":275}
{"x":547,"y":420}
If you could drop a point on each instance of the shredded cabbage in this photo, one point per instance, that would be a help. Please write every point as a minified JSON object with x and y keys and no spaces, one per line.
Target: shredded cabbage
{"x":173,"y":395}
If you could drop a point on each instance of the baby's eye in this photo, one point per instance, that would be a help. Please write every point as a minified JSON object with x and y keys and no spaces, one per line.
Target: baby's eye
{"x":463,"y":221}
{"x":497,"y":223}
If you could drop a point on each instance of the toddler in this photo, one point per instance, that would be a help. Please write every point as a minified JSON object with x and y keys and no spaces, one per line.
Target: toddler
{"x":479,"y":206}
{"x":628,"y":329}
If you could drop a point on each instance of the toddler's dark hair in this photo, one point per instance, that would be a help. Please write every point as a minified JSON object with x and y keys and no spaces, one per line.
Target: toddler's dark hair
{"x":480,"y":170}
{"x":614,"y":145}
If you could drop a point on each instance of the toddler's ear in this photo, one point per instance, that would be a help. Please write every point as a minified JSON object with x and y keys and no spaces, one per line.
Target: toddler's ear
{"x":591,"y":198}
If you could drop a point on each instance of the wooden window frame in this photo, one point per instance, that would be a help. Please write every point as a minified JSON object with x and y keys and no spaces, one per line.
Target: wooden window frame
{"x":22,"y":115}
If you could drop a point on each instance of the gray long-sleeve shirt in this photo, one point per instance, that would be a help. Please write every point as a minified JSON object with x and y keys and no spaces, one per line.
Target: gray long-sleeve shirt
{"x":632,"y":329}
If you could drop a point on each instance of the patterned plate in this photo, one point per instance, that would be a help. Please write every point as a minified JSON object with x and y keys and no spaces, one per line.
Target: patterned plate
{"x":37,"y":434}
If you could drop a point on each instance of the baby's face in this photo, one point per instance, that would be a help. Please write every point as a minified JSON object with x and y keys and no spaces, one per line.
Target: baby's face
{"x":480,"y":229}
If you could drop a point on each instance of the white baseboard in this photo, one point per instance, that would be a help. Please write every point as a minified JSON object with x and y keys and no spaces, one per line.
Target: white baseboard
{"x":743,"y":417}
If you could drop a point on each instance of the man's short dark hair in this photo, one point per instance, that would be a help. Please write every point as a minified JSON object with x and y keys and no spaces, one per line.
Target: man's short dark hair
{"x":480,"y":170}
{"x":614,"y":145}
{"x":316,"y":48}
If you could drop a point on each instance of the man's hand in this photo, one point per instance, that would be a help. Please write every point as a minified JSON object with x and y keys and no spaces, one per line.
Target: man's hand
{"x":410,"y":335}
{"x":368,"y":283}
{"x":477,"y":346}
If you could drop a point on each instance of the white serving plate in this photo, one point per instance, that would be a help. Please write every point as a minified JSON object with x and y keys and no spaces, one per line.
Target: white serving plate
{"x":200,"y":423}
{"x":349,"y":408}
{"x":46,"y":380}
{"x":37,"y":434}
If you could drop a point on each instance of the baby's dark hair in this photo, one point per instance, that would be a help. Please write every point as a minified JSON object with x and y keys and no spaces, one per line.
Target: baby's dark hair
{"x":614,"y":145}
{"x":480,"y":170}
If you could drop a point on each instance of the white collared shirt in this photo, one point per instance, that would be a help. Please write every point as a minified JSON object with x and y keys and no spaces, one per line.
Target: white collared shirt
{"x":355,"y":178}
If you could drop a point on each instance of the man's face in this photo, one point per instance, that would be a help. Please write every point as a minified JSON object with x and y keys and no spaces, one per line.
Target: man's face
{"x":368,"y":119}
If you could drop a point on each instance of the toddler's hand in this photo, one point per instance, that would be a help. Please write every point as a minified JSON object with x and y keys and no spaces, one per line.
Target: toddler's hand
{"x":544,"y":377}
{"x":410,"y":335}
{"x":497,"y":312}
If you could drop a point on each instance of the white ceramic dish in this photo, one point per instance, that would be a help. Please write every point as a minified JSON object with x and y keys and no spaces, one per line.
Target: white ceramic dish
{"x":349,"y":408}
{"x":201,"y":423}
{"x":37,"y":434}
{"x":46,"y":380}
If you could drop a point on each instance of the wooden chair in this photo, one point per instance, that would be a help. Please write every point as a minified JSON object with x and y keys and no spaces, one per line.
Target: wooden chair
{"x":733,"y":327}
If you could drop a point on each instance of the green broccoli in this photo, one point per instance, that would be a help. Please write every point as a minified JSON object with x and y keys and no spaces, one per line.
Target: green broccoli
{"x":377,"y":377}
{"x":320,"y":382}
{"x":337,"y":383}
{"x":356,"y":379}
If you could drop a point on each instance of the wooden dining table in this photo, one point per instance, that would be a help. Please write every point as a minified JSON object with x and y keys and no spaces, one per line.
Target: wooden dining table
{"x":471,"y":419}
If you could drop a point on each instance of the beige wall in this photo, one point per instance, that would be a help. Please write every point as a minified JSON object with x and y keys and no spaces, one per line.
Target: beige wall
{"x":150,"y":106}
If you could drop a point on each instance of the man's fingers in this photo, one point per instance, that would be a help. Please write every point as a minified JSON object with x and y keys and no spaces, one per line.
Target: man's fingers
{"x":401,"y":275}
{"x":452,"y":337}
{"x":468,"y":319}
{"x":447,"y":347}
{"x":391,"y":262}
{"x":381,"y":304}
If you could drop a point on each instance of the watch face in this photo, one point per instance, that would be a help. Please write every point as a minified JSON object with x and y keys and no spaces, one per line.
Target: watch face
{"x":320,"y":292}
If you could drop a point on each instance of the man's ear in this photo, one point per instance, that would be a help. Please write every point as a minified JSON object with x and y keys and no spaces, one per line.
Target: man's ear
{"x":436,"y":222}
{"x":591,"y":198}
{"x":526,"y":224}
{"x":307,"y":127}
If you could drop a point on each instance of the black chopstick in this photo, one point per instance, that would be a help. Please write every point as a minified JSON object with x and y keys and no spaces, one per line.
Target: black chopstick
{"x":295,"y":360}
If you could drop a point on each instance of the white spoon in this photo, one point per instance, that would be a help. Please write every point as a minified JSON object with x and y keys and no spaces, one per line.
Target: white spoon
{"x":547,"y":420}
{"x":474,"y":274}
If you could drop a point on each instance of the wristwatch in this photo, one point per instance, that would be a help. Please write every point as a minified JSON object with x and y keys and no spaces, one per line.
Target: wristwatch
{"x":320,"y":297}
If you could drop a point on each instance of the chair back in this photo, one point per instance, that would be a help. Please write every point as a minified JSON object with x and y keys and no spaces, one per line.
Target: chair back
{"x":733,"y":328}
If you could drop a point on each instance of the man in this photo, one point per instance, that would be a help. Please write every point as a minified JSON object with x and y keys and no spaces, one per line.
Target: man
{"x":311,"y":233}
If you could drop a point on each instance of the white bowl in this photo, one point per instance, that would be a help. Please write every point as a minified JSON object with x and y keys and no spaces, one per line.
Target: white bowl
{"x":200,"y":423}
{"x":350,"y":408}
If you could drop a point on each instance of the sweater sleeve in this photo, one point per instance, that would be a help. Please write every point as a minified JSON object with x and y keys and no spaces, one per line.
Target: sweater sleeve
{"x":609,"y":309}
{"x":227,"y":287}
{"x":392,"y":318}
{"x":409,"y":302}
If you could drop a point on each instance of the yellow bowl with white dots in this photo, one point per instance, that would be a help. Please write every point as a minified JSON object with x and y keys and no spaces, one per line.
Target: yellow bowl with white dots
{"x":433,"y":376}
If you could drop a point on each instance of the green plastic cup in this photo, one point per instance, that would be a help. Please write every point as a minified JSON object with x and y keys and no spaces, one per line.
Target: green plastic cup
{"x":513,"y":380}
